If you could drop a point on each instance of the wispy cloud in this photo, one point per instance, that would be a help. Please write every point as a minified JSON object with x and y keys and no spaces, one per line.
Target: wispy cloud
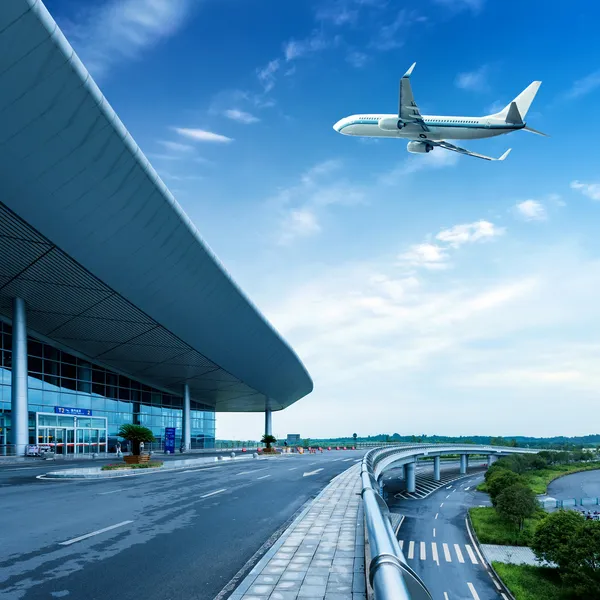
{"x":584,"y":86}
{"x":458,"y":5}
{"x":240,"y":116}
{"x":108,"y":34}
{"x":266,"y":75}
{"x":176,"y":146}
{"x":429,"y":256}
{"x":357,"y":59}
{"x":531,"y":210}
{"x":474,"y":80}
{"x":200,"y":135}
{"x":294,"y":49}
{"x":436,"y":159}
{"x":591,"y":190}
{"x":393,"y":35}
{"x":468,"y":233}
{"x":297,"y":224}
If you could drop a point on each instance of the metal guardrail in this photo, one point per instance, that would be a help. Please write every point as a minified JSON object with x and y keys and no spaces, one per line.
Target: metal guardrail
{"x":389,"y":574}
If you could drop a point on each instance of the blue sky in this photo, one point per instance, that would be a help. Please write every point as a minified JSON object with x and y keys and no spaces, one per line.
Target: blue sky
{"x":437,"y":294}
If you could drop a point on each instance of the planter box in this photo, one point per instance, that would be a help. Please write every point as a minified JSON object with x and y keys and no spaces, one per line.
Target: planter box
{"x":136,"y":460}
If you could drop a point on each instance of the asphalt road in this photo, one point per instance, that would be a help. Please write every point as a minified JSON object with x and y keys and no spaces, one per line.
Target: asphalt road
{"x":437,"y":546}
{"x":585,"y":484}
{"x":178,"y":535}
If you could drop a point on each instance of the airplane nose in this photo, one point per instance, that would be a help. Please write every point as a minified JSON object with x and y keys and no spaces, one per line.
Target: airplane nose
{"x":338,"y":125}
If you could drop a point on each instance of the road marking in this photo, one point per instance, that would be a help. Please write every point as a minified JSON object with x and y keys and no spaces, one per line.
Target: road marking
{"x":448,"y":496}
{"x":447,"y":553}
{"x":453,"y":490}
{"x":263,"y":477}
{"x":423,"y":555}
{"x":111,"y":492}
{"x":253,"y":471}
{"x":88,"y":535}
{"x":347,"y":460}
{"x":467,"y":488}
{"x":312,"y":472}
{"x":449,"y":487}
{"x":496,"y":584}
{"x":213,"y":493}
{"x":434,"y":551}
{"x":436,"y":515}
{"x":434,"y":532}
{"x":445,"y":595}
{"x":401,"y":544}
{"x":194,"y":470}
{"x":411,"y":550}
{"x":471,"y":554}
{"x":483,"y":562}
{"x":292,"y":469}
{"x":442,"y":504}
{"x":459,"y":553}
{"x":504,"y":596}
{"x":473,"y":592}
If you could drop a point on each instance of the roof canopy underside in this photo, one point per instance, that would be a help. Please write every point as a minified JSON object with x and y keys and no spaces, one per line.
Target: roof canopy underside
{"x":109,"y":264}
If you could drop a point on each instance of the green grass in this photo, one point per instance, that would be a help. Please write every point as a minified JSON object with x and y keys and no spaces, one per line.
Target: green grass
{"x":482,"y":487}
{"x":491,"y":529}
{"x":148,"y":465}
{"x":530,"y":583}
{"x":538,"y":480}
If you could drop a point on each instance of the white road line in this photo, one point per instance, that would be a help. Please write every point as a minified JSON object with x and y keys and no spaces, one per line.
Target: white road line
{"x":199,"y":469}
{"x":483,"y":562}
{"x":292,"y":469}
{"x":434,"y":552}
{"x":213,"y":493}
{"x":434,"y":532}
{"x":263,"y":477}
{"x":496,"y":584}
{"x":253,"y":471}
{"x":471,"y":554}
{"x":436,"y":515}
{"x":445,"y":595}
{"x":449,"y":487}
{"x":448,"y":496}
{"x":442,"y":504}
{"x":111,"y":492}
{"x":447,"y":555}
{"x":347,"y":460}
{"x":88,"y":535}
{"x":401,"y":542}
{"x":459,"y":553}
{"x":423,"y":555}
{"x":504,"y":596}
{"x":473,"y":592}
{"x":467,"y":488}
{"x":411,"y":550}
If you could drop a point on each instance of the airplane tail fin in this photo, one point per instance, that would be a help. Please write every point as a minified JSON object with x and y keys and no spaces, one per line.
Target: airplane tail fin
{"x":516,"y":111}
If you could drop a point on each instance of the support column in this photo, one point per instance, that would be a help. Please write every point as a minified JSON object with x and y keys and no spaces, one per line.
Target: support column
{"x":268,"y":424}
{"x":18,"y":396}
{"x":464,"y":462}
{"x":405,"y":473}
{"x":186,"y":441}
{"x":436,"y":468}
{"x":410,"y":478}
{"x":491,"y":460}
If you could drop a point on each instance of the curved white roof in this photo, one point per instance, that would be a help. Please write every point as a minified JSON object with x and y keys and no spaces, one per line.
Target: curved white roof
{"x":104,"y":244}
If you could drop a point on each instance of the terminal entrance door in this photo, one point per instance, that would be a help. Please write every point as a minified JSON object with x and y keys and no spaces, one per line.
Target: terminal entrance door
{"x":72,"y":435}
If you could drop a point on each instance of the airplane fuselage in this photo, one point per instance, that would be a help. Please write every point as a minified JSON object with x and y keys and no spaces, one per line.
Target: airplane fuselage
{"x":440,"y":127}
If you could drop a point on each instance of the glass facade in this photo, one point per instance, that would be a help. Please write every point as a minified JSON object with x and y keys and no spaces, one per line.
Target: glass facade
{"x":59,"y":379}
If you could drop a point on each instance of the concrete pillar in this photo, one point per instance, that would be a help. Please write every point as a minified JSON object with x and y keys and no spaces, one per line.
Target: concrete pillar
{"x":491,"y":459}
{"x":18,"y":395}
{"x":187,"y":422}
{"x":464,"y":462}
{"x":436,"y":468}
{"x":268,"y":424}
{"x":404,"y":473}
{"x":410,"y":478}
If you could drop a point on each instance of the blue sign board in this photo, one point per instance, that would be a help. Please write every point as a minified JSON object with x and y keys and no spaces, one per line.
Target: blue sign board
{"x":170,"y":440}
{"x":65,"y":410}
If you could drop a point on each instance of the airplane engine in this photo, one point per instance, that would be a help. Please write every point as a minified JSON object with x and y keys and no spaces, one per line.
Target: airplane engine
{"x":390,"y":124}
{"x":419,"y":147}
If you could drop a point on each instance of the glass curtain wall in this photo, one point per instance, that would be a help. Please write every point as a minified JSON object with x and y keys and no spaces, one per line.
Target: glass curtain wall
{"x":57,"y":378}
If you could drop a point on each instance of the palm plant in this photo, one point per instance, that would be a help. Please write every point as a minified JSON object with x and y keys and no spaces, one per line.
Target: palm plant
{"x":267,"y":440}
{"x":136,"y":434}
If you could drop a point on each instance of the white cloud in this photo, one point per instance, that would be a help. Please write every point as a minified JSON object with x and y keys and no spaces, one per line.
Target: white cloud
{"x":531,"y":210}
{"x":591,"y":190}
{"x":393,"y":34}
{"x":312,"y":175}
{"x":266,"y":75}
{"x":495,"y":107}
{"x":473,"y":80}
{"x":457,"y":5}
{"x":240,"y":116}
{"x":295,"y":49}
{"x":298,"y":224}
{"x":469,"y":232}
{"x":430,"y":256}
{"x":107,"y":34}
{"x":436,"y":159}
{"x":584,"y":86}
{"x":176,"y":146}
{"x":357,"y":59}
{"x":338,"y":13}
{"x":201,"y":135}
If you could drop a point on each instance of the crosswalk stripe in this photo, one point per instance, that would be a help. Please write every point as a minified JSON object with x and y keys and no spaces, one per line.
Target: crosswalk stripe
{"x":411,"y":550}
{"x":434,"y":552}
{"x":471,"y":554}
{"x":447,"y":555}
{"x":459,"y":553}
{"x":423,"y":551}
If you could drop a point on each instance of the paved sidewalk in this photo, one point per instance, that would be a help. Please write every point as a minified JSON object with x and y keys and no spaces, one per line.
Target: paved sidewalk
{"x":321,"y":554}
{"x":513,"y":555}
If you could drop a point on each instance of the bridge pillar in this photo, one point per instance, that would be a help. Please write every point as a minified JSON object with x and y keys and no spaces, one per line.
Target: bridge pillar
{"x":436,"y":468}
{"x":464,"y":463}
{"x":405,"y":473}
{"x":491,"y":460}
{"x":410,"y":477}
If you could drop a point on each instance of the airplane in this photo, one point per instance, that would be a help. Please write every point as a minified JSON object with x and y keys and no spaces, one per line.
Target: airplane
{"x":428,"y":132}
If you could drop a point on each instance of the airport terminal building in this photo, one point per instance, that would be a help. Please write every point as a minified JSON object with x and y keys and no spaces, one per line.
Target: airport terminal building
{"x":112,"y":308}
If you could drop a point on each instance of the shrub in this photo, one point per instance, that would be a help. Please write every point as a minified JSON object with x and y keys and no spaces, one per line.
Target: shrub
{"x":136,"y":434}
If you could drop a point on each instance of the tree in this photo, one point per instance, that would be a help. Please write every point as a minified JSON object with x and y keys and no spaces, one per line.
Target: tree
{"x":136,"y":434}
{"x":267,"y":440}
{"x":516,"y":503}
{"x":554,"y":535}
{"x":583,"y":567}
{"x":500,"y":481}
{"x":354,"y":435}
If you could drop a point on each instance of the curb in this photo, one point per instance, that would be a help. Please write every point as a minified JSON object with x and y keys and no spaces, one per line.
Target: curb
{"x":500,"y":585}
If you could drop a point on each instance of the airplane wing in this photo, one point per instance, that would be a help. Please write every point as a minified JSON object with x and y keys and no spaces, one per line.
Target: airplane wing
{"x":453,"y":148}
{"x":408,"y":111}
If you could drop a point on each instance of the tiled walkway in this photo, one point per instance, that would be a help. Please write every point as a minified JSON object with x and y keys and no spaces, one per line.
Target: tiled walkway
{"x":515,"y":555}
{"x":321,"y":554}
